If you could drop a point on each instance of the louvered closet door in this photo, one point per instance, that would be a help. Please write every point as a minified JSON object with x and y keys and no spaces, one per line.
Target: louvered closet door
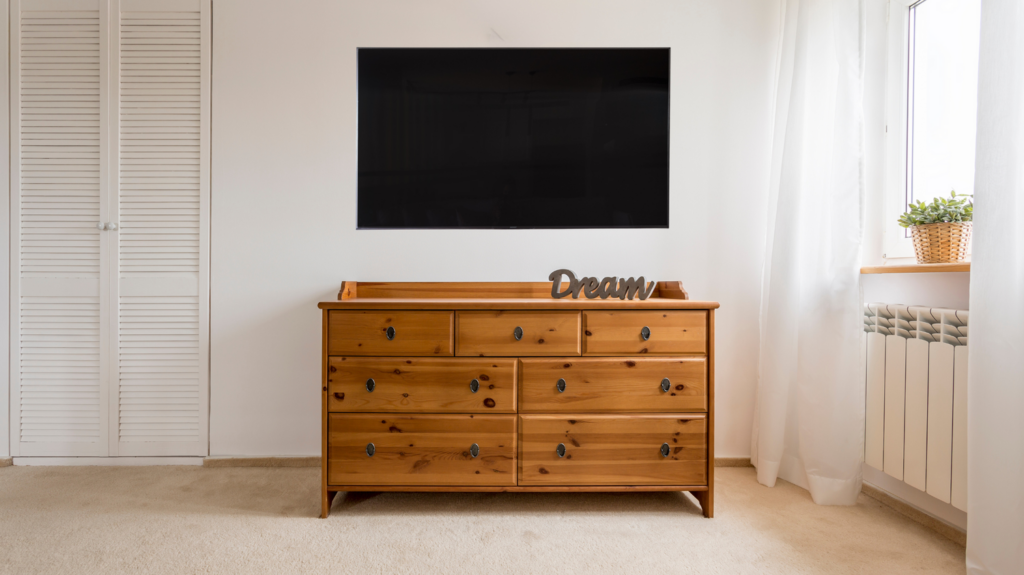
{"x":59,"y":269}
{"x":161,"y":359}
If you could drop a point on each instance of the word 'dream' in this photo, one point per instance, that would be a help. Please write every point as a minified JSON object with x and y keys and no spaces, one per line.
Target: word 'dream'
{"x":592,"y":288}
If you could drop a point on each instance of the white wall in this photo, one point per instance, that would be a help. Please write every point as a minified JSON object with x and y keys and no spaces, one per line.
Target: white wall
{"x":284,"y":196}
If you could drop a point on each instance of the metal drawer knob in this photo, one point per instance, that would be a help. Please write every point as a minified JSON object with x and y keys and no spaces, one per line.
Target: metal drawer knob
{"x":645,"y":333}
{"x":370,"y":449}
{"x":560,"y":450}
{"x":474,"y":450}
{"x":666,"y":384}
{"x":474,"y":385}
{"x":371,"y":385}
{"x":518,"y":333}
{"x":665,"y":450}
{"x":390,"y":332}
{"x":560,"y":385}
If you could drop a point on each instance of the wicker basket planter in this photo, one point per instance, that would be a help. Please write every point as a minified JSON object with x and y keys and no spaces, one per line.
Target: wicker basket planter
{"x":941,"y":243}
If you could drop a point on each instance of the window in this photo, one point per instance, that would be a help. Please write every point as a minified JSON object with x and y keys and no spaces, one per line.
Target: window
{"x":931,"y":107}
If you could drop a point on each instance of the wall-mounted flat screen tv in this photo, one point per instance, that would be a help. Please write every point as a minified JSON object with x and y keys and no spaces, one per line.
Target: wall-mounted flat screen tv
{"x":513,"y":138}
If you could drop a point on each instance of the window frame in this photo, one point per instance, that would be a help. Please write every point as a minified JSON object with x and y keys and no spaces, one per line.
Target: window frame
{"x":895,"y":242}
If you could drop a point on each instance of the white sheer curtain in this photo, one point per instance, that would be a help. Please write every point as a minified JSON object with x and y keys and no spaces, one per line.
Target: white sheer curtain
{"x":995,"y":395}
{"x":809,"y":413}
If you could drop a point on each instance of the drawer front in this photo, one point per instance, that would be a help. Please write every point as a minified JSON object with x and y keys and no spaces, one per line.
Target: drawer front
{"x":421,"y":450}
{"x":423,"y":333}
{"x":493,"y":333}
{"x":422,"y":384}
{"x":584,"y":385}
{"x":613,"y":450}
{"x":622,"y":332}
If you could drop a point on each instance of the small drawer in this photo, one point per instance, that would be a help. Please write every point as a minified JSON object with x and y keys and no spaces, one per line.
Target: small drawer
{"x":421,"y":450}
{"x":517,"y":333}
{"x":644,"y":332}
{"x":426,"y":385}
{"x":651,"y":384}
{"x":613,"y":450}
{"x":394,"y":333}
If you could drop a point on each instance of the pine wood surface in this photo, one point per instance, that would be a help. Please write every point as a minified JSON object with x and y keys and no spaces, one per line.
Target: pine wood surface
{"x":417,"y":333}
{"x":617,"y":332}
{"x":917,"y":268}
{"x":421,"y":449}
{"x":474,"y":290}
{"x":547,"y":303}
{"x":601,"y":385}
{"x":490,"y":333}
{"x":426,"y":385}
{"x":694,"y":489}
{"x":613,"y":449}
{"x":613,"y":416}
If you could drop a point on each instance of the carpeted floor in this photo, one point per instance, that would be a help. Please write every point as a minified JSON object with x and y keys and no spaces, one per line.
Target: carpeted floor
{"x":256,"y":520}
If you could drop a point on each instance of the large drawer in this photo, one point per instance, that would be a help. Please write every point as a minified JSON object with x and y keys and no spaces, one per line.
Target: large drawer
{"x":395,"y":333}
{"x":630,"y":332}
{"x":421,"y":384}
{"x":517,"y":333}
{"x":421,"y":450}
{"x":613,"y":450}
{"x":583,"y":385}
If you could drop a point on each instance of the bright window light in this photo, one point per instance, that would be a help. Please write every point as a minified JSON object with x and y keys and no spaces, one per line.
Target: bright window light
{"x":942,"y":97}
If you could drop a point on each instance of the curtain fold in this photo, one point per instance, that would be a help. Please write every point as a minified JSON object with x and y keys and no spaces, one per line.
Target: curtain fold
{"x":995,"y":393}
{"x":809,"y":411}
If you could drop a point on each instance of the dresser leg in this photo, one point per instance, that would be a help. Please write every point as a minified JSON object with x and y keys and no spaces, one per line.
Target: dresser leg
{"x":707,"y":502}
{"x":325,"y":507}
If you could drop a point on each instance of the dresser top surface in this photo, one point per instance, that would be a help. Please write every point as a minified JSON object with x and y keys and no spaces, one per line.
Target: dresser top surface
{"x":496,"y":295}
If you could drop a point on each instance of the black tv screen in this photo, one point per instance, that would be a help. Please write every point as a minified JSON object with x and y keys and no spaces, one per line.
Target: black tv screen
{"x":513,"y":138}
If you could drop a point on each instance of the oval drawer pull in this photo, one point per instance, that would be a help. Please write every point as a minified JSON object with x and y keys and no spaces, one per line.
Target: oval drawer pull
{"x":645,"y":333}
{"x":560,"y":386}
{"x":370,"y":449}
{"x":371,"y":385}
{"x":560,"y":450}
{"x":666,"y":384}
{"x":665,"y":450}
{"x":518,"y":333}
{"x":474,"y":450}
{"x":390,"y":333}
{"x":474,"y":385}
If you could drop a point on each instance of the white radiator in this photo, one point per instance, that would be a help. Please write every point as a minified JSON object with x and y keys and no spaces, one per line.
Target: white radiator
{"x":916,"y":421}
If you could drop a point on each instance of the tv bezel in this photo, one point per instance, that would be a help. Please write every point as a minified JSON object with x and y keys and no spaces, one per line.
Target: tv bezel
{"x":668,"y":143}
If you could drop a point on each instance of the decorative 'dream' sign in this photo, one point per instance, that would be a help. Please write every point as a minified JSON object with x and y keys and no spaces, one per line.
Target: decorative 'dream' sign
{"x":592,"y":288}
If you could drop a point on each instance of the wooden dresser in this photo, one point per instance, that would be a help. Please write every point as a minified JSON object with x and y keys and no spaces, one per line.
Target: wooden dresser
{"x":500,"y":387}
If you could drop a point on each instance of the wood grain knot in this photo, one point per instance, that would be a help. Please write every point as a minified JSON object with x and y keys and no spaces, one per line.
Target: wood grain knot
{"x":489,"y":402}
{"x":340,"y":396}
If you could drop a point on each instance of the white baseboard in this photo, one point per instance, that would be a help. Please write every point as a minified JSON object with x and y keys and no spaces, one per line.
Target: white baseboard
{"x":311,"y":461}
{"x":108,"y":461}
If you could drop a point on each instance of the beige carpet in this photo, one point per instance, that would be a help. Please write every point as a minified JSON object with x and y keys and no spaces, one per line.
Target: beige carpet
{"x":196,"y":520}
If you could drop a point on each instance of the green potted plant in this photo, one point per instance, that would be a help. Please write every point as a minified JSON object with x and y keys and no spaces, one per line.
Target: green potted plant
{"x":942,"y":229}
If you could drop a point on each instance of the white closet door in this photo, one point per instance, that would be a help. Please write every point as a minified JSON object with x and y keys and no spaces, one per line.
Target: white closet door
{"x":58,"y":256}
{"x":163,"y":198}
